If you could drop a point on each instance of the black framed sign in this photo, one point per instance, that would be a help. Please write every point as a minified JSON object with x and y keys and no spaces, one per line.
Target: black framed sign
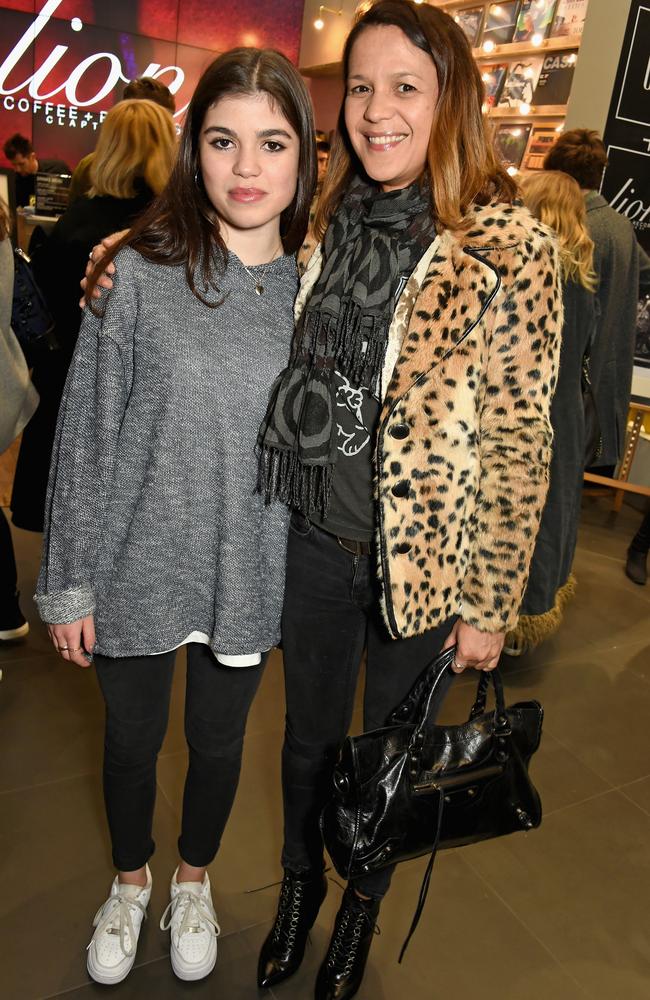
{"x":626,"y":182}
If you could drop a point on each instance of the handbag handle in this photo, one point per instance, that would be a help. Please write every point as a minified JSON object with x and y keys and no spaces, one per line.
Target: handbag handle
{"x":440,"y":688}
{"x":478,"y":707}
{"x":481,"y":697}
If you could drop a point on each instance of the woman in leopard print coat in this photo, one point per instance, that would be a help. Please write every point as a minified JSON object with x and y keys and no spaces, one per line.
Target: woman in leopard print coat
{"x":410,"y":432}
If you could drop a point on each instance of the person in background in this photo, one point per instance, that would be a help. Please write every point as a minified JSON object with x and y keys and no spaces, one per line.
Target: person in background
{"x":156,"y":538}
{"x":322,"y":159}
{"x":143,"y":88}
{"x":134,"y":157}
{"x":623,"y":271}
{"x":18,"y":401}
{"x":556,"y":200}
{"x":636,"y":566}
{"x":322,"y":156}
{"x":20,"y":153}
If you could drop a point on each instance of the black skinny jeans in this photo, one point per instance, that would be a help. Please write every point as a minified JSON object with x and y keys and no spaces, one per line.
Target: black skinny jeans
{"x":137,"y":692}
{"x":331,"y":613}
{"x":8,"y":578}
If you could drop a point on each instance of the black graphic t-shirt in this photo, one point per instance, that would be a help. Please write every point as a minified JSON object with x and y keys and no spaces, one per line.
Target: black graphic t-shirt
{"x":351,"y":507}
{"x":351,"y":512}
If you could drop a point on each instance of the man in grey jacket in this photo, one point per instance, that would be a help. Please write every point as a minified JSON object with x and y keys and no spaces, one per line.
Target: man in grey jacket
{"x":623,"y":270}
{"x":18,"y":401}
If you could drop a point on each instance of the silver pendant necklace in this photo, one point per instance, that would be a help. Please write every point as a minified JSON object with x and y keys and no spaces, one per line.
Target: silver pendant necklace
{"x":259,"y":287}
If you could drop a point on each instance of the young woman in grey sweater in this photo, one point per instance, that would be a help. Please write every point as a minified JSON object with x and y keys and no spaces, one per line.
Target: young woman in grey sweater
{"x":155,"y":536}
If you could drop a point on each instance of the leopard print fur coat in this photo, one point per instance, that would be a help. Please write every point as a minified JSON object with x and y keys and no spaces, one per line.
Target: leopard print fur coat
{"x":464,"y":440}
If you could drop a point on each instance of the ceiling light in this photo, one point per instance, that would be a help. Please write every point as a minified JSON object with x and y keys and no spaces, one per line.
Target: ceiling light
{"x":319,"y":23}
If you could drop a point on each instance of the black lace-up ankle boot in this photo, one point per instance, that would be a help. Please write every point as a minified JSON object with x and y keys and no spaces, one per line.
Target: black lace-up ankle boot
{"x":340,"y":975}
{"x":301,"y":896}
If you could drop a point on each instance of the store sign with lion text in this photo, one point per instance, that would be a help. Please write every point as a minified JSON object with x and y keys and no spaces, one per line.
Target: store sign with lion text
{"x":626,"y":183}
{"x":64,"y":63}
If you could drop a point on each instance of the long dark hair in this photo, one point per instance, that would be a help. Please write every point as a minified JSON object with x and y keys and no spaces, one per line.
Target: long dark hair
{"x":462,"y":166}
{"x":181,"y":225}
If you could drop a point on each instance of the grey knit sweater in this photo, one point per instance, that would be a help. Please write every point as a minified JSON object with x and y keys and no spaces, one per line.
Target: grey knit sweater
{"x":152,"y":520}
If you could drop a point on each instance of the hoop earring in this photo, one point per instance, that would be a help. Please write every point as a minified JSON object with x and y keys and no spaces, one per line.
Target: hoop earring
{"x":196,"y":176}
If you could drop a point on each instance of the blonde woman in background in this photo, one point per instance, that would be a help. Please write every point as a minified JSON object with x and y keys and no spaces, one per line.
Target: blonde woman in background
{"x":132,"y":163}
{"x":556,"y":200}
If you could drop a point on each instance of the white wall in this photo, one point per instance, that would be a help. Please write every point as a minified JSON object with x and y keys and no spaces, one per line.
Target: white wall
{"x":317,"y":48}
{"x":595,"y":73}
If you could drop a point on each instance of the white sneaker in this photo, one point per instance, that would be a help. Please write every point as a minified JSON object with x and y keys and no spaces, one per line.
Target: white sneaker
{"x":111,"y":952}
{"x":194,"y":928}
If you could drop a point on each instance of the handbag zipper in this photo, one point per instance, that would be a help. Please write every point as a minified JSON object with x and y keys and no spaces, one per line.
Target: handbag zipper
{"x":442,"y":784}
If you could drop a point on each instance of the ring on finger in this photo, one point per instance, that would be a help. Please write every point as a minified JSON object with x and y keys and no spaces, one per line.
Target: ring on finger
{"x":459,"y":666}
{"x":63,"y":649}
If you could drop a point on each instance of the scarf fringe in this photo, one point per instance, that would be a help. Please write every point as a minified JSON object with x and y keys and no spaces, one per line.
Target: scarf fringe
{"x":357,"y":347}
{"x":282,"y":476}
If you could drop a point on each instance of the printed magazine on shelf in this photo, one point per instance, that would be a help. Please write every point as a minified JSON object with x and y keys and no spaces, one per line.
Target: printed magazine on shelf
{"x":471,"y":21}
{"x":511,"y":142}
{"x":501,"y":22}
{"x":535,"y":18}
{"x":542,"y":140}
{"x":555,"y":79}
{"x":569,"y":18}
{"x":493,"y":77}
{"x":520,"y":83}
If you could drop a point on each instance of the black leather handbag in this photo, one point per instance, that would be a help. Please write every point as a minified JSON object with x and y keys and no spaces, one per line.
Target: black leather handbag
{"x":414,"y":787}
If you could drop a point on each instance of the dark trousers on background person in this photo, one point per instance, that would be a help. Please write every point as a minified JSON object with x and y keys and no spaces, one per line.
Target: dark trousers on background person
{"x":331,"y":613}
{"x":8,"y":575}
{"x":641,"y":541}
{"x":137,"y":693}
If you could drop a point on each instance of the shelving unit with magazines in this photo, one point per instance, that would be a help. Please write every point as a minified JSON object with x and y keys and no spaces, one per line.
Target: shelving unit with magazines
{"x":527,"y":51}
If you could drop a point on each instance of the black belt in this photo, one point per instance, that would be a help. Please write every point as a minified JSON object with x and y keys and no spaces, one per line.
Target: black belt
{"x":354,"y":545}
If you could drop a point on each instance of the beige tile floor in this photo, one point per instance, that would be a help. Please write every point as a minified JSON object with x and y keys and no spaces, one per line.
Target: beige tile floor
{"x":560,"y":914}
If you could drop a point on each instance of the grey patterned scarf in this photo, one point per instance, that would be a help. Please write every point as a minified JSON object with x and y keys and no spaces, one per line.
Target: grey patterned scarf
{"x":372,"y":240}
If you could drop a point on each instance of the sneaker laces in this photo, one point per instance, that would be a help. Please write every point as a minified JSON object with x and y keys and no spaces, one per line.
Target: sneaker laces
{"x":195,"y":910}
{"x":345,"y":943}
{"x":116,"y":913}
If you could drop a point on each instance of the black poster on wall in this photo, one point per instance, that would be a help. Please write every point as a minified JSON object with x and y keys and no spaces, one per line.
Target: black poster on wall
{"x":626,"y":183}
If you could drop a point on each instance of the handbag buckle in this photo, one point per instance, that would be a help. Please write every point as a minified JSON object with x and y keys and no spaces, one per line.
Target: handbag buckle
{"x":502,"y":727}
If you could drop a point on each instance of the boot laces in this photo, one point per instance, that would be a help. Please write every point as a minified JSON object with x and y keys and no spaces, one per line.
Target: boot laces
{"x":345,"y":943}
{"x":288,"y":916}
